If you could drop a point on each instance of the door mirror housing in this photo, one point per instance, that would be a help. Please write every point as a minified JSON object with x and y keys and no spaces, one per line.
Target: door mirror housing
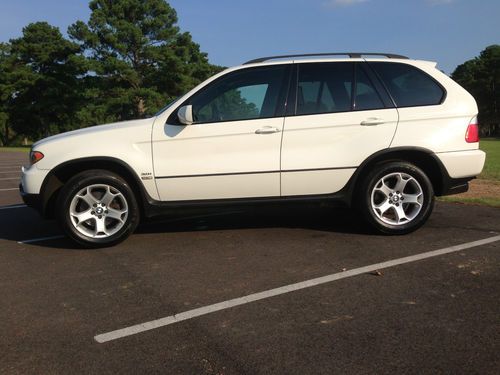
{"x":185,"y":115}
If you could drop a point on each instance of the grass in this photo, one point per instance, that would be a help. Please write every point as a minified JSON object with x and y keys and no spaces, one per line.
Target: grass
{"x":491,"y":169}
{"x":490,"y":176}
{"x":20,"y":149}
{"x":482,"y":201}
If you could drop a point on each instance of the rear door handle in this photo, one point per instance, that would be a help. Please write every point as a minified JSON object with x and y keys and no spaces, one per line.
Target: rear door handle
{"x":372,"y":121}
{"x":267,"y":130}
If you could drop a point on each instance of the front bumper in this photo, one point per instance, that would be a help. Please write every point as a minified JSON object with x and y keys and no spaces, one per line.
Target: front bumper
{"x":31,"y":200}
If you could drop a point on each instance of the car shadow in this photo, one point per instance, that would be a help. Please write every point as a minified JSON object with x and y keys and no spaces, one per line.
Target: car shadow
{"x":322,"y":219}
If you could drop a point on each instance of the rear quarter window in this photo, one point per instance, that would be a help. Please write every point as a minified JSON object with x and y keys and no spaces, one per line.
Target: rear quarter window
{"x":409,"y":86}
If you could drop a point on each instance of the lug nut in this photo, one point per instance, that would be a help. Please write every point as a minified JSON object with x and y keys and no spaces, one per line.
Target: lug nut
{"x":397,"y":204}
{"x":105,"y":211}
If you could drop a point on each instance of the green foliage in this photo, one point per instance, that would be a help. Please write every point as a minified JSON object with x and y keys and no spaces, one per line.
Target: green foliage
{"x":491,"y":169}
{"x":481,"y":77}
{"x":138,"y":56}
{"x":43,"y":88}
{"x":5,"y":132}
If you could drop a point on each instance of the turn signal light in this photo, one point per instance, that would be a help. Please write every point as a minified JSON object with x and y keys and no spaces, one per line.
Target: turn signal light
{"x":472,"y":133}
{"x":35,"y":156}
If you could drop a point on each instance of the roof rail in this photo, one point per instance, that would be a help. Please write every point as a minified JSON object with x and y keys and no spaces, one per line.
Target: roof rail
{"x":350,"y":54}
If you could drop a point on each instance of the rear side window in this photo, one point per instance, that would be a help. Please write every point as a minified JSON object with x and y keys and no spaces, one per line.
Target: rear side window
{"x":408,"y":85}
{"x":324,"y":88}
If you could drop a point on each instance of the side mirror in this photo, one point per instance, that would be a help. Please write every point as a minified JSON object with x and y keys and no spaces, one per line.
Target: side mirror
{"x":185,"y":115}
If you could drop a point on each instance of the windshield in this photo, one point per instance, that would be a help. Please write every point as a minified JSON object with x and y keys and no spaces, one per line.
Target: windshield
{"x":167,"y":106}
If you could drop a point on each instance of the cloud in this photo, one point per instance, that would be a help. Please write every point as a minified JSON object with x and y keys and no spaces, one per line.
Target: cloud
{"x":343,"y":3}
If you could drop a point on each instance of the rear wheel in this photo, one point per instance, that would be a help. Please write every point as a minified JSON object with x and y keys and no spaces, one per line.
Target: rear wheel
{"x":97,"y":208}
{"x":396,"y":198}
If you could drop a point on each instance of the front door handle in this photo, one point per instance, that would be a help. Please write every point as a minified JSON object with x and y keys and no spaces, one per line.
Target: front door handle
{"x":267,"y":130}
{"x":372,"y":121}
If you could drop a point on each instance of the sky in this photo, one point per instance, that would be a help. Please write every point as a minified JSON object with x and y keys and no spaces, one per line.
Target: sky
{"x":232,"y":32}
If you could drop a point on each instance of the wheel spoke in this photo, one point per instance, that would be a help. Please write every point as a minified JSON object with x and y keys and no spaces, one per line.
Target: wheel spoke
{"x":83,"y":216}
{"x":384,"y":189}
{"x":100,"y":226}
{"x":412,"y":198}
{"x":401,"y":183}
{"x":383,"y":207}
{"x":108,"y":196}
{"x":116,"y":214}
{"x":400,"y":213}
{"x":88,"y":197}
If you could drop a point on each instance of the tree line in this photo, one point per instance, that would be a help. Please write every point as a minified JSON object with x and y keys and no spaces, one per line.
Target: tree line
{"x":481,"y":77}
{"x":127,"y":61}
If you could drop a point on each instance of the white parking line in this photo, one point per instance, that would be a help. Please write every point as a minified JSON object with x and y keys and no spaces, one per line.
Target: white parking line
{"x":10,"y":189}
{"x":10,"y":178}
{"x":133,"y":330}
{"x":14,"y":206}
{"x":41,"y":239}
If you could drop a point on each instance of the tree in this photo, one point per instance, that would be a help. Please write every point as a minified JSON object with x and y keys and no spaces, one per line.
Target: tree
{"x":44,"y":73}
{"x":5,"y":133}
{"x":481,"y":77}
{"x":139,"y":58}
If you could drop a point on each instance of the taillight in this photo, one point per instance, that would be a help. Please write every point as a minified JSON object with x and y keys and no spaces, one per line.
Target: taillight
{"x":472,"y":133}
{"x":35,"y":156}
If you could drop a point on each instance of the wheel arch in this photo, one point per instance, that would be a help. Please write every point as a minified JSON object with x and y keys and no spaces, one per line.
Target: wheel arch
{"x":59,"y":175}
{"x":423,"y":158}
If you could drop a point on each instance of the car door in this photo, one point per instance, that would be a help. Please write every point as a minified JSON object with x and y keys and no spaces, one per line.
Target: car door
{"x":341,"y":117}
{"x":232,"y":150}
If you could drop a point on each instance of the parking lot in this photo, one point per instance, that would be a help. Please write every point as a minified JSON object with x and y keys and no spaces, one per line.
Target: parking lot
{"x":322,"y":295}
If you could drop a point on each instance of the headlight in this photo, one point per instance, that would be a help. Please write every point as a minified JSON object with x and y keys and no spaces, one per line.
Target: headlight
{"x":35,"y":156}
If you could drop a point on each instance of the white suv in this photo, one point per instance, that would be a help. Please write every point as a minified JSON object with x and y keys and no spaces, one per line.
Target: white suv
{"x":378,"y":132}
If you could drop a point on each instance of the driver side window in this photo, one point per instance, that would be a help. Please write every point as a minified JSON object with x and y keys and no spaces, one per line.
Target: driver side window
{"x":242,"y":95}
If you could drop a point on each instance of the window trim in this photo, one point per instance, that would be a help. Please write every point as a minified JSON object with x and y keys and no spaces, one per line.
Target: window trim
{"x":443,"y":98}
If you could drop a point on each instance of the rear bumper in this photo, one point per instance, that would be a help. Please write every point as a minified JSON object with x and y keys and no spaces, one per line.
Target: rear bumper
{"x":463,"y":164}
{"x":455,"y":185}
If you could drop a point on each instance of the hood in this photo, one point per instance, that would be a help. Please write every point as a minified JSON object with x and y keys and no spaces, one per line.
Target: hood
{"x":94,"y":130}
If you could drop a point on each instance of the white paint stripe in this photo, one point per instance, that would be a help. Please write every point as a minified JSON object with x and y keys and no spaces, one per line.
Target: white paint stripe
{"x":40,"y":239}
{"x":9,"y":189}
{"x":14,"y":206}
{"x":128,"y":331}
{"x":10,"y":178}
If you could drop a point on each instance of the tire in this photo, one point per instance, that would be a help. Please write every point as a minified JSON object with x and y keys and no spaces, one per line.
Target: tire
{"x":97,"y":208}
{"x":396,"y":198}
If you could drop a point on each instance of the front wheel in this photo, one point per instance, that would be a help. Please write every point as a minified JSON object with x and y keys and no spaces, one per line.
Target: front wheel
{"x":97,"y":208}
{"x":396,"y":198}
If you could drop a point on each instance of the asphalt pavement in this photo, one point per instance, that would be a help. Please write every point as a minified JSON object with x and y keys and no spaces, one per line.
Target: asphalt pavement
{"x":328,"y":301}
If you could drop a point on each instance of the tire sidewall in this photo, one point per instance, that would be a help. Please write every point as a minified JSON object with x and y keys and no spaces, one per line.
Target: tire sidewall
{"x":80,"y":181}
{"x":382,"y":170}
